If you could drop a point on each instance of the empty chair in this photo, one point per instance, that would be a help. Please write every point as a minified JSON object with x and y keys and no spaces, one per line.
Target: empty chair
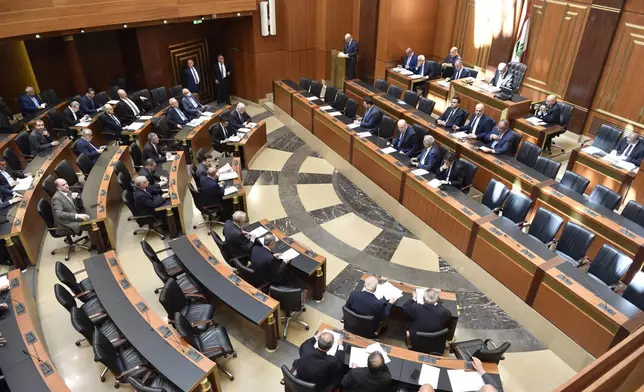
{"x":516,"y":207}
{"x":573,"y":243}
{"x":159,"y":95}
{"x":420,"y":132}
{"x":634,"y":293}
{"x":607,"y":137}
{"x":329,"y":94}
{"x":411,"y":98}
{"x":528,"y":154}
{"x":171,"y":263}
{"x":305,"y":83}
{"x":604,"y":196}
{"x":434,"y":69}
{"x":150,"y":222}
{"x":13,"y":160}
{"x":211,"y":212}
{"x":84,"y":163}
{"x":92,"y":308}
{"x":82,"y":290}
{"x":609,"y":265}
{"x":316,"y":88}
{"x":634,"y":212}
{"x":84,"y":326}
{"x":470,"y":170}
{"x":175,"y":91}
{"x":351,"y":109}
{"x":125,"y":181}
{"x":187,"y":284}
{"x":192,"y":306}
{"x":50,"y":97}
{"x":137,"y":156}
{"x":386,"y":129}
{"x":212,"y":342}
{"x":480,"y":349}
{"x":193,"y":173}
{"x":22,"y":140}
{"x":473,"y":73}
{"x":156,"y":384}
{"x":494,"y":195}
{"x":382,"y":85}
{"x":517,"y":70}
{"x":428,"y":342}
{"x":426,"y":105}
{"x":394,"y":91}
{"x":49,"y":184}
{"x":575,"y":182}
{"x":547,"y":167}
{"x":292,"y":302}
{"x":101,"y":98}
{"x":46,"y":213}
{"x":545,"y":226}
{"x":365,"y":326}
{"x":340,"y":101}
{"x":122,"y":362}
{"x":294,"y":384}
{"x":65,"y":170}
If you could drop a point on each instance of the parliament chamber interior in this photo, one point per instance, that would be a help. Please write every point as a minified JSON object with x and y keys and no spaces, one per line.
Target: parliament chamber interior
{"x":322,"y":195}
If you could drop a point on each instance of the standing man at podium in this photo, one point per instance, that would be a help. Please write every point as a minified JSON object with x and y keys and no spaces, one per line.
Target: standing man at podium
{"x":351,"y":50}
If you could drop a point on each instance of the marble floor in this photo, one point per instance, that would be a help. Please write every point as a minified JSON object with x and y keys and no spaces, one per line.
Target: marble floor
{"x":307,"y":191}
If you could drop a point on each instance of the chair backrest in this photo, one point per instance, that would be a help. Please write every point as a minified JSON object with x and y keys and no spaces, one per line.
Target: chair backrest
{"x":574,"y":241}
{"x":566,"y":113}
{"x":149,"y":252}
{"x":429,"y":342}
{"x":46,"y":213}
{"x":340,"y":101}
{"x":294,"y":384}
{"x":547,"y":166}
{"x":495,"y":194}
{"x":104,"y":351}
{"x":160,"y":127}
{"x":75,"y":147}
{"x":247,"y":273}
{"x":517,"y":70}
{"x":64,"y":297}
{"x":387,"y":125}
{"x":102,"y":98}
{"x":84,"y":163}
{"x":528,"y":154}
{"x":159,"y":95}
{"x":290,"y":298}
{"x":604,"y":196}
{"x":50,"y":97}
{"x":197,"y":197}
{"x":135,"y":152}
{"x":473,"y":73}
{"x":67,"y":277}
{"x":316,"y":88}
{"x":119,"y":167}
{"x":607,"y":137}
{"x":49,"y":184}
{"x":634,"y":293}
{"x":22,"y":140}
{"x":175,"y":91}
{"x":113,"y":92}
{"x":351,"y":110}
{"x":65,"y":170}
{"x":574,"y":181}
{"x":382,"y":85}
{"x":125,"y":181}
{"x":140,"y":387}
{"x":434,"y":69}
{"x":420,"y":132}
{"x":12,"y":159}
{"x":329,"y":95}
{"x":193,"y":172}
{"x":172,"y":298}
{"x":128,"y":198}
{"x":492,"y":355}
{"x":223,"y":248}
{"x":201,"y":153}
{"x":82,"y":324}
{"x":161,"y":272}
{"x":411,"y":98}
{"x":426,"y":105}
{"x":358,"y":324}
{"x":609,"y":265}
{"x":634,"y":212}
{"x":394,"y":91}
{"x":470,"y":170}
{"x":545,"y":225}
{"x":517,"y":206}
{"x":305,"y":83}
{"x":185,"y":329}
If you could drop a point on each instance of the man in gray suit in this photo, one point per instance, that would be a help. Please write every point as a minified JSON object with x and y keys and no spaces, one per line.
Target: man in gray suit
{"x":65,"y":212}
{"x":193,"y":107}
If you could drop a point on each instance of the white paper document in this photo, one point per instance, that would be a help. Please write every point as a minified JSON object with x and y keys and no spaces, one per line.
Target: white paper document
{"x":460,"y":135}
{"x":224,"y":169}
{"x":364,"y":134}
{"x":419,"y":172}
{"x":22,"y":184}
{"x":429,"y":375}
{"x":135,"y":125}
{"x":243,"y":130}
{"x":208,"y":114}
{"x":420,"y":292}
{"x":204,"y":119}
{"x":228,"y":176}
{"x":444,"y":83}
{"x":400,"y":102}
{"x":404,"y":71}
{"x":592,"y":150}
{"x":290,"y":255}
{"x":390,"y":291}
{"x":251,"y":125}
{"x":145,"y":118}
{"x":83,"y":124}
{"x":313,"y":98}
{"x":336,"y":342}
{"x":235,"y":139}
{"x":435,"y":183}
{"x":463,"y":381}
{"x":195,"y":123}
{"x":4,"y":282}
{"x":620,"y":163}
{"x":535,"y":121}
{"x":335,"y":114}
{"x":388,"y":150}
{"x":354,"y":126}
{"x":358,"y":358}
{"x":326,"y":107}
{"x":230,"y":190}
{"x":260,"y":231}
{"x":113,"y":102}
{"x":415,"y":76}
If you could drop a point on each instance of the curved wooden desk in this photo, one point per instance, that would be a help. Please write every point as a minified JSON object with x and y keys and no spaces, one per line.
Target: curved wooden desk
{"x":251,"y":144}
{"x":177,"y":184}
{"x":195,"y":138}
{"x":358,"y":90}
{"x":282,"y":91}
{"x":239,"y":197}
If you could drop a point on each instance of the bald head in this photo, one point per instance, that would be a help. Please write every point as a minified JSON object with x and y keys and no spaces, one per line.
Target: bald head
{"x":185,"y":92}
{"x":479,"y":109}
{"x":402,"y":126}
{"x":502,"y":67}
{"x":503,"y":125}
{"x":375,"y":361}
{"x":122,"y":94}
{"x":347,"y":37}
{"x":370,"y":284}
{"x":269,"y":240}
{"x":551,"y":100}
{"x":453,"y":51}
{"x":325,"y":341}
{"x":408,"y":52}
{"x":426,"y":388}
{"x":173,"y":102}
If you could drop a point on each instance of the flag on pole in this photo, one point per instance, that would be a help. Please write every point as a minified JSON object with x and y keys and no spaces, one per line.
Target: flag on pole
{"x":521,"y":44}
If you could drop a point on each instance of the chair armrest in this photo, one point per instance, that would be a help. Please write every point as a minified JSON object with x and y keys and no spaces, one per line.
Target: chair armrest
{"x":379,"y":328}
{"x":195,"y":295}
{"x":118,"y":342}
{"x":97,"y":316}
{"x":52,"y":229}
{"x":214,"y":350}
{"x":82,"y":294}
{"x":175,"y":271}
{"x":408,"y":340}
{"x":130,"y":371}
{"x":497,"y":209}
{"x":140,"y":217}
{"x":263,"y":286}
{"x":490,"y":341}
{"x":583,"y":260}
{"x":466,"y":187}
{"x":162,"y":250}
{"x":203,"y":322}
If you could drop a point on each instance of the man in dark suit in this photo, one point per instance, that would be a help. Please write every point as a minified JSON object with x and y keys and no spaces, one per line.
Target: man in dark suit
{"x":549,"y":111}
{"x":422,"y":69}
{"x":65,"y":209}
{"x":431,"y":316}
{"x":220,"y":132}
{"x":429,"y":158}
{"x":155,"y":182}
{"x":449,"y":63}
{"x":127,"y":110}
{"x":191,"y":105}
{"x":372,"y":115}
{"x":239,"y":242}
{"x":460,"y":72}
{"x":85,"y":146}
{"x":146,"y":201}
{"x":204,"y":165}
{"x":351,"y":50}
{"x":239,"y":118}
{"x":110,"y":122}
{"x":30,"y":102}
{"x":451,"y":172}
{"x":87,"y":104}
{"x":213,"y":193}
{"x":8,"y":178}
{"x":453,"y":115}
{"x":374,"y":378}
{"x":152,"y":150}
{"x":268,"y":264}
{"x":72,"y":115}
{"x":411,"y":60}
{"x":39,"y":139}
{"x":502,"y":78}
{"x":316,"y":366}
{"x":365,"y":302}
{"x":191,"y":77}
{"x":630,"y":149}
{"x":479,"y":126}
{"x":222,"y":74}
{"x":175,"y":116}
{"x":406,"y":140}
{"x":501,"y":140}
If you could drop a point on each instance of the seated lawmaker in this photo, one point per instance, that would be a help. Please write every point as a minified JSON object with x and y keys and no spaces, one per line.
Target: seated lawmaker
{"x":268,"y":264}
{"x":72,"y":115}
{"x":429,"y":158}
{"x":372,"y":115}
{"x":374,"y":378}
{"x":87,"y":104}
{"x":191,"y":105}
{"x":30,"y":102}
{"x":449,"y":63}
{"x":406,"y":141}
{"x":8,"y":176}
{"x":365,"y":303}
{"x":479,"y":126}
{"x":453,"y":115}
{"x":66,"y":212}
{"x":451,"y":172}
{"x":238,"y":241}
{"x":127,"y":110}
{"x":501,"y":140}
{"x":431,"y":316}
{"x":85,"y":146}
{"x":152,"y":149}
{"x":422,"y":69}
{"x":213,"y":192}
{"x":110,"y":122}
{"x":239,"y":118}
{"x":318,"y":367}
{"x":39,"y":139}
{"x":460,"y":72}
{"x":145,"y":201}
{"x":502,"y":78}
{"x":410,"y":60}
{"x":175,"y":116}
{"x":220,"y":132}
{"x":155,"y":182}
{"x":204,"y":165}
{"x":490,"y":383}
{"x":549,"y":111}
{"x":630,"y":149}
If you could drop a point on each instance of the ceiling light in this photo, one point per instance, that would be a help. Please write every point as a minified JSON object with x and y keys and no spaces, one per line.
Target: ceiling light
{"x":125,"y":26}
{"x":165,"y":21}
{"x":37,"y":35}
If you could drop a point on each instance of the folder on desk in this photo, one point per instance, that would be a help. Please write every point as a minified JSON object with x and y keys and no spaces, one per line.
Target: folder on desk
{"x":429,"y":375}
{"x":145,"y":118}
{"x":228,"y":176}
{"x":462,"y":381}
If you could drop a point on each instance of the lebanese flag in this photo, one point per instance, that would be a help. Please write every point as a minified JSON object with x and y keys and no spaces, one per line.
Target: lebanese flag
{"x":521,"y":44}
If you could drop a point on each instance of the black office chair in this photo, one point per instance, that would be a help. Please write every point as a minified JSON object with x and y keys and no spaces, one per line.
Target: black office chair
{"x":305,"y":83}
{"x":249,"y":275}
{"x":427,"y":342}
{"x":212,"y":342}
{"x":516,"y":207}
{"x":49,"y":185}
{"x":137,"y":155}
{"x":545,"y":225}
{"x":411,"y":98}
{"x":340,"y":101}
{"x":125,"y":181}
{"x":394,"y":91}
{"x":159,"y":95}
{"x":573,"y":243}
{"x":634,"y":293}
{"x":84,"y":164}
{"x":123,"y":362}
{"x":210,"y":212}
{"x":316,"y":88}
{"x":292,"y":302}
{"x":547,"y":167}
{"x":607,"y":137}
{"x":92,"y":308}
{"x":382,"y":85}
{"x":609,"y":265}
{"x":426,"y":106}
{"x":564,"y":120}
{"x":13,"y":160}
{"x":420,"y":133}
{"x":480,"y":349}
{"x":434,"y":69}
{"x":494,"y":195}
{"x":65,"y":170}
{"x":101,"y":98}
{"x":365,"y":326}
{"x":112,"y":91}
{"x":517,"y":70}
{"x":46,"y":213}
{"x":351,"y":109}
{"x":528,"y":154}
{"x":470,"y":171}
{"x":175,"y":91}
{"x":57,"y":123}
{"x":473,"y":73}
{"x":193,"y":306}
{"x":294,"y":384}
{"x":193,"y":173}
{"x":22,"y":140}
{"x":575,"y":182}
{"x":329,"y":94}
{"x":171,"y":263}
{"x":634,"y":212}
{"x":149,"y":223}
{"x":605,"y":197}
{"x":157,"y":384}
{"x":225,"y":252}
{"x":187,"y":284}
{"x":50,"y":97}
{"x":82,"y":290}
{"x":386,"y":129}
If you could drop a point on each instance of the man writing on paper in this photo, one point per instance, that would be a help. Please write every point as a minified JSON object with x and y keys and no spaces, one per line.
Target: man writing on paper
{"x":267,"y":264}
{"x":427,"y":315}
{"x":501,"y":140}
{"x":429,"y":158}
{"x":239,"y":118}
{"x":630,"y":149}
{"x":175,"y":116}
{"x":372,"y":115}
{"x":479,"y":126}
{"x":365,"y":303}
{"x":191,"y":105}
{"x":213,"y":191}
{"x":451,"y":172}
{"x":406,"y":141}
{"x":453,"y":115}
{"x":39,"y":139}
{"x":502,"y":78}
{"x":316,"y":366}
{"x":411,"y":60}
{"x":374,"y":378}
{"x":351,"y":50}
{"x":239,"y":242}
{"x":85,"y":146}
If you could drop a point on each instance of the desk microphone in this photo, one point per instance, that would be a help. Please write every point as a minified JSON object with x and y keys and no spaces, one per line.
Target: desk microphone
{"x":590,"y":286}
{"x":147,"y":317}
{"x":174,"y":338}
{"x":10,"y":215}
{"x":95,"y":205}
{"x":44,"y":366}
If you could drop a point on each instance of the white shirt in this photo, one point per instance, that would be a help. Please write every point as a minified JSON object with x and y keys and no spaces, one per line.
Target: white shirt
{"x":35,"y":101}
{"x":628,"y":150}
{"x":409,"y":60}
{"x":475,"y":124}
{"x":195,"y":74}
{"x":180,"y":114}
{"x":115,"y":119}
{"x":222,"y":69}
{"x":194,"y":102}
{"x":8,"y":177}
{"x":132,"y":106}
{"x":500,"y":80}
{"x":73,"y":113}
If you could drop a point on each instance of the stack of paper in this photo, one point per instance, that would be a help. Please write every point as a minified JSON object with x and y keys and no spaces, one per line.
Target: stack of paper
{"x":145,"y":118}
{"x":400,"y":102}
{"x":372,"y":348}
{"x":420,"y":292}
{"x":313,"y":98}
{"x":230,"y":190}
{"x":326,"y":107}
{"x":358,"y":358}
{"x":22,"y":184}
{"x":243,"y":130}
{"x":251,"y":125}
{"x":435,"y":183}
{"x":134,"y":126}
{"x":83,"y":124}
{"x":208,"y":114}
{"x":113,"y":102}
{"x":429,"y":375}
{"x":592,"y":150}
{"x":228,"y":176}
{"x":535,"y":121}
{"x":195,"y":123}
{"x":444,"y":83}
{"x":419,"y":172}
{"x":258,"y":232}
{"x":460,"y":135}
{"x":619,"y":162}
{"x":204,"y":119}
{"x":336,"y":342}
{"x":415,"y":76}
{"x":225,"y":168}
{"x":290,"y":255}
{"x":354,"y":125}
{"x":364,"y":134}
{"x":235,"y":139}
{"x":462,"y":381}
{"x":387,"y":291}
{"x":335,"y":114}
{"x":405,"y":72}
{"x":388,"y":150}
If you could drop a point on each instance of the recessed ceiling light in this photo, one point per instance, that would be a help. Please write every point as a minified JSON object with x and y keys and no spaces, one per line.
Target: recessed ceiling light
{"x":82,"y":31}
{"x":37,"y":35}
{"x":239,"y":14}
{"x":125,"y":26}
{"x":165,"y":21}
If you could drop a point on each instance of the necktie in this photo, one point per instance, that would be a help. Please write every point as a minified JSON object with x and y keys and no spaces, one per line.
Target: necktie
{"x":132,"y":106}
{"x":194,"y":103}
{"x":116,"y":120}
{"x":74,"y":114}
{"x":628,"y":150}
{"x":91,"y":103}
{"x":35,"y":101}
{"x":450,"y":115}
{"x":408,"y":61}
{"x":183,"y":118}
{"x":223,"y":129}
{"x":476,"y":124}
{"x":458,"y":75}
{"x":194,"y":75}
{"x":498,"y":139}
{"x":449,"y":171}
{"x":222,"y":69}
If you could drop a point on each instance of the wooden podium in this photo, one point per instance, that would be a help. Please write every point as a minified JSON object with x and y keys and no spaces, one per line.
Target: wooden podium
{"x":338,"y":70}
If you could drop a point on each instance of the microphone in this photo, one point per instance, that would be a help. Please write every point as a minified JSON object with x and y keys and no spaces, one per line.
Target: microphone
{"x":147,"y":317}
{"x":95,"y":205}
{"x":605,"y":307}
{"x":9,"y":216}
{"x":174,"y":339}
{"x":45,"y":367}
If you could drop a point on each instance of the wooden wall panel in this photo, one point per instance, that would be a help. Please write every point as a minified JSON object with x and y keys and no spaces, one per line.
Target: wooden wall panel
{"x":444,"y":29}
{"x":101,"y":57}
{"x":367,"y":11}
{"x":472,"y":39}
{"x":16,"y":65}
{"x":50,"y":65}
